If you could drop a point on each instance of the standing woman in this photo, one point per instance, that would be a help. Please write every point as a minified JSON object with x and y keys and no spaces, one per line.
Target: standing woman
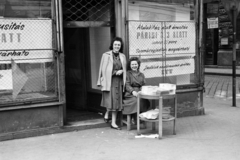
{"x":112,"y":78}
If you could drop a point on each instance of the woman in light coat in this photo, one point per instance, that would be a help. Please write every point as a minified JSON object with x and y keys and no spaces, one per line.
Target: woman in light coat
{"x":112,"y":78}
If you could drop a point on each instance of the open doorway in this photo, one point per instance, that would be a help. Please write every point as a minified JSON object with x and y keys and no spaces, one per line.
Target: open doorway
{"x":211,"y":47}
{"x":212,"y":33}
{"x":76,"y":46}
{"x":88,"y":30}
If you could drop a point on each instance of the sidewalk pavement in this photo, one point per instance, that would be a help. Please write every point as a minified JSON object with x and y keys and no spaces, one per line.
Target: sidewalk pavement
{"x":213,"y":136}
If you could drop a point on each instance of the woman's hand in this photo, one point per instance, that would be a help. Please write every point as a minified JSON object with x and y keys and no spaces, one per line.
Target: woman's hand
{"x":119,"y":72}
{"x":135,"y":93}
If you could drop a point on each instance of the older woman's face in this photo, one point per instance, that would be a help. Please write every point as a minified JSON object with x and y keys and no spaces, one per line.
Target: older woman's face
{"x":134,"y":65}
{"x":116,"y":46}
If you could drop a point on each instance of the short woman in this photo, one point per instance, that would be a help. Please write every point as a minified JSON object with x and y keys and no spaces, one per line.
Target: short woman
{"x":135,"y":80}
{"x":112,"y":78}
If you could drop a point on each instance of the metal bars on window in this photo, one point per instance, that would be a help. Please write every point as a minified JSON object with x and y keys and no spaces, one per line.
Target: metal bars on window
{"x":88,"y":13}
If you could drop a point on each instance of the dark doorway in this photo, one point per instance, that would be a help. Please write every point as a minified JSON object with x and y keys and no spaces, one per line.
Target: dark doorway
{"x":212,"y":33}
{"x":76,"y":49}
{"x":75,"y":46}
{"x":211,"y":47}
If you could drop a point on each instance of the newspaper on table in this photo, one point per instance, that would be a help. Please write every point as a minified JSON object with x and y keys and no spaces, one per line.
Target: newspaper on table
{"x":153,"y":113}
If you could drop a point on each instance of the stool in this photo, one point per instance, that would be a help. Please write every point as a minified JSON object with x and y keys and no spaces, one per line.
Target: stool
{"x":127,"y":122}
{"x":159,"y":119}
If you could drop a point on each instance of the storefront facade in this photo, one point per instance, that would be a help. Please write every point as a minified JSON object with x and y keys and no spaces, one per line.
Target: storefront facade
{"x":50,"y":54}
{"x":219,"y":35}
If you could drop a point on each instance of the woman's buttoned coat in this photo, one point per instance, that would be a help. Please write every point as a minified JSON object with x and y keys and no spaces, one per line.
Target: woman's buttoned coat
{"x":106,"y":68}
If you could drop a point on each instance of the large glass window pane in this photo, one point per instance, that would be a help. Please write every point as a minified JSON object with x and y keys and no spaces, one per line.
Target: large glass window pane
{"x":27,"y":65}
{"x":25,"y":8}
{"x":162,"y":33}
{"x":161,"y":10}
{"x":21,"y":82}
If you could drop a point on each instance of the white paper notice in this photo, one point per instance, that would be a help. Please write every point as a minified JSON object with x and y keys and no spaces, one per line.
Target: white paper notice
{"x":6,"y":80}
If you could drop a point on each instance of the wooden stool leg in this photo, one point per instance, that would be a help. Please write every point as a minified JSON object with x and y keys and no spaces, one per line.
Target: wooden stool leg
{"x":120,"y":118}
{"x":174,"y":127}
{"x":129,"y":122}
{"x":153,"y":126}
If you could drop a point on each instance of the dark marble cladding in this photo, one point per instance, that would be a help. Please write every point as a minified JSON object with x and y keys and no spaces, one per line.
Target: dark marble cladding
{"x":189,"y":105}
{"x":225,"y":58}
{"x":28,"y":119}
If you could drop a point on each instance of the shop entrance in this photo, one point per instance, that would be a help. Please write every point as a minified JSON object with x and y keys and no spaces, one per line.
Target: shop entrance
{"x":76,"y":49}
{"x":88,"y":29}
{"x":211,"y":47}
{"x":212,"y":34}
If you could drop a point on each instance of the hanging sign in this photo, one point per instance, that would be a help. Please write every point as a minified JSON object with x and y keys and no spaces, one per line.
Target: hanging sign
{"x":19,"y":36}
{"x":158,"y":38}
{"x":212,"y":23}
{"x":171,"y":68}
{"x":157,"y":42}
{"x":224,"y":41}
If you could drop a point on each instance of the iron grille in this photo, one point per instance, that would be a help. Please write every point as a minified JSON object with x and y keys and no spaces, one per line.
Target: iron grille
{"x":88,"y":10}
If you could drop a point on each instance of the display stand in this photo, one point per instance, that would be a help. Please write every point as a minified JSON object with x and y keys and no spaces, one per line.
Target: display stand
{"x":159,"y":119}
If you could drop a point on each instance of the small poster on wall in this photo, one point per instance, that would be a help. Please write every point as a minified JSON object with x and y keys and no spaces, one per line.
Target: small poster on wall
{"x":6,"y":80}
{"x":224,"y":41}
{"x":212,"y":22}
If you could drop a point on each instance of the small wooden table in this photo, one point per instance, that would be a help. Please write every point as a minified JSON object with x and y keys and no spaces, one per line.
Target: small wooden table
{"x":159,"y":119}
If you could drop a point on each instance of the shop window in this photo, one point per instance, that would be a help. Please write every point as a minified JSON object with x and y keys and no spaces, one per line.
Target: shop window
{"x":28,"y":71}
{"x":160,"y":10}
{"x":162,"y":33}
{"x":25,"y":8}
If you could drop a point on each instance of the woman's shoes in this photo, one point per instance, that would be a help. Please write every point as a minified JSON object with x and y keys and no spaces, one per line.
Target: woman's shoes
{"x":106,"y":120}
{"x":117,"y":128}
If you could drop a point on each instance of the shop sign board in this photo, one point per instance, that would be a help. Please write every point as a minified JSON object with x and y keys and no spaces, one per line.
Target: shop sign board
{"x":156,"y":41}
{"x":212,"y":22}
{"x":25,"y":40}
{"x":224,"y":41}
{"x":171,"y":68}
{"x":156,"y":38}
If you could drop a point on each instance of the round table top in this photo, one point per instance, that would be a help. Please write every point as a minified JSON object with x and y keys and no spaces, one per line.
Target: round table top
{"x":149,"y":96}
